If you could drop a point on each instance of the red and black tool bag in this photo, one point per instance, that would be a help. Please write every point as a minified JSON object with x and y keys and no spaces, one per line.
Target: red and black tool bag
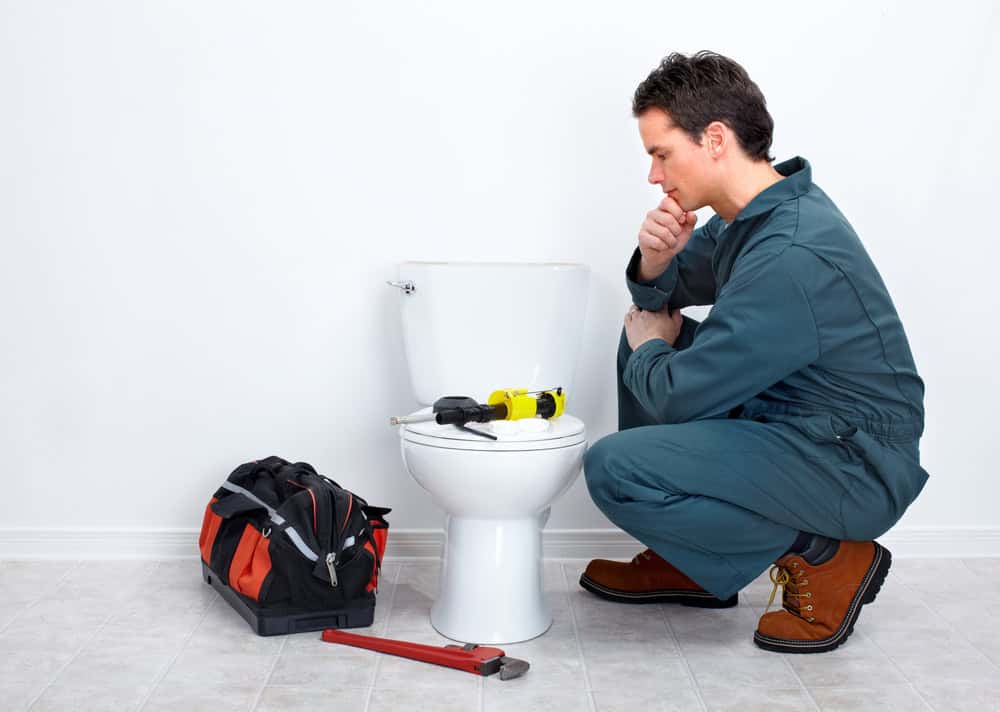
{"x":289,"y":542}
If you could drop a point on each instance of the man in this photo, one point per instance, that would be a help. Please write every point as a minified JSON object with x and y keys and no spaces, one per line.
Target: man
{"x":783,"y":428}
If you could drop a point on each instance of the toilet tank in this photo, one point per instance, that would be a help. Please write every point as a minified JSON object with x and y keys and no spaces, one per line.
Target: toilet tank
{"x":470,"y":328}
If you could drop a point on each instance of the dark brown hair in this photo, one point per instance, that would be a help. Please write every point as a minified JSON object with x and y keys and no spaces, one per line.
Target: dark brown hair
{"x":707,"y":87}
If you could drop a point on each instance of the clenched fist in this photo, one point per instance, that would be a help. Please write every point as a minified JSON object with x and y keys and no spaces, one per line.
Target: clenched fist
{"x":642,"y":326}
{"x":663,"y":234}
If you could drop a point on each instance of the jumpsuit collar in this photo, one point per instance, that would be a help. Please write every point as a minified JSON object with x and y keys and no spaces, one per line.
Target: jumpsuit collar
{"x":739,"y":234}
{"x":798,"y":178}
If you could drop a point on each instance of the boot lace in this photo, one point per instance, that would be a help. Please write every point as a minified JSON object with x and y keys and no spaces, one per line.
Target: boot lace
{"x":791,"y":579}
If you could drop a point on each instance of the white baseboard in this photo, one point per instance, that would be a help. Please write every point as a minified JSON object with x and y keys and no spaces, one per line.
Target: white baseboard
{"x":410,"y":544}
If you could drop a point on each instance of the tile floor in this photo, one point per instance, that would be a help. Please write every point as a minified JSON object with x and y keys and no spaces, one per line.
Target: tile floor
{"x":131,"y":635}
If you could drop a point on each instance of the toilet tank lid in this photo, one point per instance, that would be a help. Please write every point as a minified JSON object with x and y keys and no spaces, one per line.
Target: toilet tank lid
{"x":525,"y":430}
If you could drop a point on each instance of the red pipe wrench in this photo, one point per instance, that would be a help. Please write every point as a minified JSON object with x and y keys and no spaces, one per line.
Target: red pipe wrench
{"x":477,"y":659}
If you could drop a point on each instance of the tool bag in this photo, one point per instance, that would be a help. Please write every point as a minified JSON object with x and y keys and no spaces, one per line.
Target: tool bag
{"x":292,"y":550}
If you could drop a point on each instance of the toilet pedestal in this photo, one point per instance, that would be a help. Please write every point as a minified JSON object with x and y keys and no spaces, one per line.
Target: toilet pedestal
{"x":491,"y":581}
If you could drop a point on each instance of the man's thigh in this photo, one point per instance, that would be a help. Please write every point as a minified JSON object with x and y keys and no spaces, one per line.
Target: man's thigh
{"x":773,"y":469}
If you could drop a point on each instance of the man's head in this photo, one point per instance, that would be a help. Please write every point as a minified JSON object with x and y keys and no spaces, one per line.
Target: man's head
{"x":703,"y":121}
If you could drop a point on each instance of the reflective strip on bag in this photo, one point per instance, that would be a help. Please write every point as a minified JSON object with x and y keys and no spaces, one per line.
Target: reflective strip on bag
{"x":276,"y":518}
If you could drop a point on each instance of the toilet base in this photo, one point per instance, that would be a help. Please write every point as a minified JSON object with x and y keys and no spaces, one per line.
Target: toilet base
{"x":490,"y":590}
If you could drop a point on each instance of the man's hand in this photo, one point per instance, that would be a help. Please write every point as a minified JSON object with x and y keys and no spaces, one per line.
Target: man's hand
{"x":663,"y":234}
{"x":642,"y":326}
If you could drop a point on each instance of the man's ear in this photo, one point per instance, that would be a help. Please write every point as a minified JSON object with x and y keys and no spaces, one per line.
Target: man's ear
{"x":716,"y":138}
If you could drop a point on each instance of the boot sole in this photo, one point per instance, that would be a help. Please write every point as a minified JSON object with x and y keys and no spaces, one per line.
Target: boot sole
{"x":871,"y":584}
{"x":685,"y":597}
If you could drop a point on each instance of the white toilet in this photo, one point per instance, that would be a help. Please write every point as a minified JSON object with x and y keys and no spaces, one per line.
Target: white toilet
{"x":470,"y":329}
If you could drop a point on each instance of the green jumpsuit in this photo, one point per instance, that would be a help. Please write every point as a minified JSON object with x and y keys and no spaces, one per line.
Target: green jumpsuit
{"x":794,"y":406}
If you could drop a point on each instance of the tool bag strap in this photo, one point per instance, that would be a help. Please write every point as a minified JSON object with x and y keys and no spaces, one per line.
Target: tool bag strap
{"x":276,"y":519}
{"x":236,"y":504}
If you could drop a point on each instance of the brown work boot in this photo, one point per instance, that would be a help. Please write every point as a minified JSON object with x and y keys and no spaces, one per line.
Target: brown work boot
{"x":647,"y":579}
{"x":821,"y":601}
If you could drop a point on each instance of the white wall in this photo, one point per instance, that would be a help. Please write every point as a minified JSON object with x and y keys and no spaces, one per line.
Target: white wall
{"x":200,"y":202}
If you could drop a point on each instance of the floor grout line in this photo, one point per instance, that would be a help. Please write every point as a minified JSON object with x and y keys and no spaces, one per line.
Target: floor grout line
{"x":892,"y":662}
{"x":383,"y":629}
{"x":39,"y":597}
{"x":180,"y":649}
{"x":684,"y":660}
{"x":579,"y":644}
{"x":802,"y":685}
{"x":481,"y":693}
{"x":950,"y":626}
{"x":274,"y":663}
{"x":83,"y":645}
{"x":902,"y":674}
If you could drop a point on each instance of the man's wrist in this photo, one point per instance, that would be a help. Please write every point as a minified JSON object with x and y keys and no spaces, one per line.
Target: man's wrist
{"x":647,"y":274}
{"x":645,"y":341}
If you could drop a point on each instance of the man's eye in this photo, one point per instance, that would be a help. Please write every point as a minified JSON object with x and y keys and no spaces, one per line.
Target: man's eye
{"x":662,"y":157}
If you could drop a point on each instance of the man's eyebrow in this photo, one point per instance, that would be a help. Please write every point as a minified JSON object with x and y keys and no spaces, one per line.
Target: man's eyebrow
{"x":654,"y":149}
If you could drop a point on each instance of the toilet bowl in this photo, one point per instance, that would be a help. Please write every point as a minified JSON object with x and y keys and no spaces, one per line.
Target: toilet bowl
{"x":470,"y":329}
{"x":497,"y":496}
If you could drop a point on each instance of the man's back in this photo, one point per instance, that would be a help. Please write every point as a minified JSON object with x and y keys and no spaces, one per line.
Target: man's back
{"x":865,"y":367}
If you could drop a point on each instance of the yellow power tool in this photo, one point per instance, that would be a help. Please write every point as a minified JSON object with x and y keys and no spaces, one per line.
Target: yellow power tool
{"x":511,"y":404}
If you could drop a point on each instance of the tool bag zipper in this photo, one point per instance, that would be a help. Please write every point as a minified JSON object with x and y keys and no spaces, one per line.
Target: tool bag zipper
{"x":340,"y":521}
{"x":331,"y":567}
{"x":326,"y":534}
{"x":332,"y":526}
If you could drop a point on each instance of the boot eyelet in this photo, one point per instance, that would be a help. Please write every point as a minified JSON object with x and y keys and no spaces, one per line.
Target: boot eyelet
{"x":809,"y":594}
{"x":811,"y":618}
{"x":809,"y":607}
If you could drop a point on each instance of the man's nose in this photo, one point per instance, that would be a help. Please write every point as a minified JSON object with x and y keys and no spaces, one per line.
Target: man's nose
{"x":655,"y":174}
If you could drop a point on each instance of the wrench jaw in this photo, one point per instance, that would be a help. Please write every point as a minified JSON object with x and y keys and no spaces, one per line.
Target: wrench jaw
{"x":508,"y":667}
{"x":512,"y":667}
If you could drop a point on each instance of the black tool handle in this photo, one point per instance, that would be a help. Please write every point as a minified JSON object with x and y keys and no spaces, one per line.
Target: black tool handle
{"x":471,"y":414}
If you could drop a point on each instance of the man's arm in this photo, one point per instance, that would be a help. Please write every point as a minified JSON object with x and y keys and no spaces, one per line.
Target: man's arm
{"x":688,"y":280}
{"x":760,"y":331}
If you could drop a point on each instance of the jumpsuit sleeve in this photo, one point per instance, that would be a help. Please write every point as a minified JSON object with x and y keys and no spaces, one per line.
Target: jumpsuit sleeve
{"x":689,"y":279}
{"x":761,"y":330}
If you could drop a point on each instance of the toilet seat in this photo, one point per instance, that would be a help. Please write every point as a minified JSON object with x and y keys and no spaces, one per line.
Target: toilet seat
{"x":512,"y":435}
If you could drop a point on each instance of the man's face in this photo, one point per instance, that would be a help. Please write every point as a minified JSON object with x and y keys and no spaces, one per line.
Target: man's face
{"x":679,"y":165}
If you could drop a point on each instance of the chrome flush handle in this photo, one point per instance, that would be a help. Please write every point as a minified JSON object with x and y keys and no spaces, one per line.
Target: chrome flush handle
{"x":408,"y":287}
